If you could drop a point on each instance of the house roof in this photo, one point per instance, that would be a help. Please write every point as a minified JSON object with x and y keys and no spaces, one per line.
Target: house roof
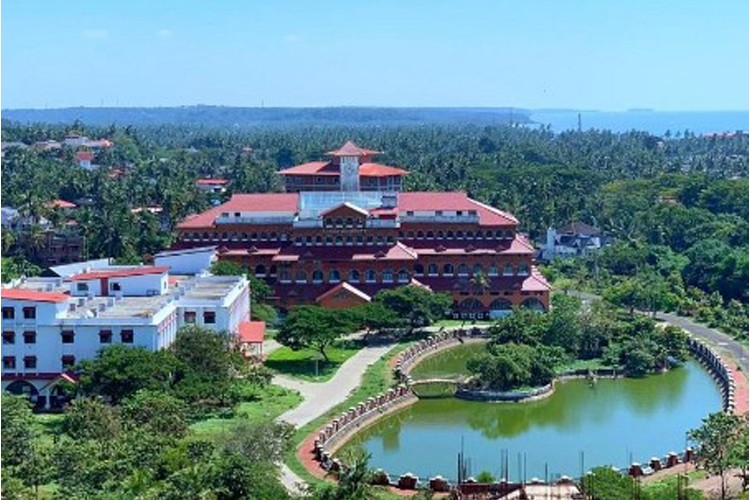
{"x":60,"y":204}
{"x":312,"y":168}
{"x":84,"y":155}
{"x":379,"y":170}
{"x":211,"y":182}
{"x":252,"y":332}
{"x":31,"y":295}
{"x":120,"y":273}
{"x":267,"y":202}
{"x":66,"y":270}
{"x":348,"y":205}
{"x":536,"y":282}
{"x":347,"y":287}
{"x":351,"y":149}
{"x":579,"y":228}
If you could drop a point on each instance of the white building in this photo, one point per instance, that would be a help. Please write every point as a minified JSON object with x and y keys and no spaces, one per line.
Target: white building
{"x":572,"y":240}
{"x":49,"y":324}
{"x":187,"y":261}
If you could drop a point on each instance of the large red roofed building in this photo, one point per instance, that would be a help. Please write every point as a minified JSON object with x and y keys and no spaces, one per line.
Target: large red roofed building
{"x":307,"y":244}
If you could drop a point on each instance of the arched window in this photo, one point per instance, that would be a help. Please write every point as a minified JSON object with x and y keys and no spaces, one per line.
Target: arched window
{"x":349,"y":222}
{"x":493,"y":270}
{"x":488,"y":235}
{"x":334,"y":276}
{"x":233,"y":236}
{"x":463,"y":270}
{"x":401,"y":235}
{"x":301,"y":276}
{"x":224,"y":236}
{"x":205,"y":236}
{"x":480,"y":235}
{"x":459,"y":235}
{"x":448,"y":270}
{"x":509,"y":234}
{"x":196,"y":236}
{"x":389,"y":240}
{"x":501,"y":305}
{"x":317,"y":276}
{"x":283,"y":237}
{"x":339,"y":241}
{"x":244,"y":236}
{"x":498,"y":234}
{"x":440,"y":235}
{"x":260,"y":270}
{"x":534,"y":304}
{"x":254,"y":236}
{"x":298,"y":241}
{"x":430,"y":235}
{"x":272,"y":271}
{"x":349,"y":241}
{"x":284,"y":276}
{"x":471,"y":304}
{"x":449,"y":235}
{"x":329,"y":241}
{"x":418,"y":270}
{"x":339,"y":221}
{"x":369,"y":240}
{"x":432,"y":270}
{"x":360,"y":239}
{"x":371,"y":277}
{"x":508,"y":269}
{"x":273,"y":237}
{"x":263,"y":236}
{"x":523,"y":270}
{"x":354,"y":276}
{"x":318,"y":241}
{"x":403,"y":276}
{"x":380,"y":240}
{"x":410,"y":235}
{"x":420,"y":235}
{"x":388,"y":276}
{"x":469,"y":235}
{"x":477,"y":269}
{"x":308,"y":240}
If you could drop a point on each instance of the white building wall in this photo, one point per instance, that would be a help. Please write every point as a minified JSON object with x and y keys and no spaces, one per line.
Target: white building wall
{"x":189,"y":263}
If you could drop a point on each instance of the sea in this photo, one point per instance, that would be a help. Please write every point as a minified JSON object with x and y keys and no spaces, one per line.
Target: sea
{"x":654,"y":122}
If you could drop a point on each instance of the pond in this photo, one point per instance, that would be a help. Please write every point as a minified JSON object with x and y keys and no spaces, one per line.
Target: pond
{"x":449,"y":363}
{"x":615,"y":422}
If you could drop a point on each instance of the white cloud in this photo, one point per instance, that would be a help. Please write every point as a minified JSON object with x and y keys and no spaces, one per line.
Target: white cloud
{"x":95,"y":34}
{"x":164,"y":33}
{"x":292,"y":38}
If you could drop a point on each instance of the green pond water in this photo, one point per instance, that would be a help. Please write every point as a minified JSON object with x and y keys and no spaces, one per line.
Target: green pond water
{"x":615,"y":422}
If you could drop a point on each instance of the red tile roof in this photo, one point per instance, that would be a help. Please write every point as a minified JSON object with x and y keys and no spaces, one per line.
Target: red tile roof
{"x":351,"y":149}
{"x":271,"y":202}
{"x":120,"y":273}
{"x":31,"y":295}
{"x":60,"y":204}
{"x":312,"y":168}
{"x":535,"y":282}
{"x":344,"y":286}
{"x":84,"y":155}
{"x":211,"y":182}
{"x":252,"y":332}
{"x":379,"y":170}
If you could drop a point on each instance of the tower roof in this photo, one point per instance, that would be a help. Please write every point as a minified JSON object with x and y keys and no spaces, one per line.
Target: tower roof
{"x":351,"y":149}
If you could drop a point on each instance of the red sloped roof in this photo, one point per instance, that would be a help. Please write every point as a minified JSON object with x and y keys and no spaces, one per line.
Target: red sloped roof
{"x":85,"y":155}
{"x":434,"y":200}
{"x":252,"y":332}
{"x":31,"y":295}
{"x":535,"y":282}
{"x":491,"y":216}
{"x":312,"y":168}
{"x":60,"y":204}
{"x":211,"y":182}
{"x":351,"y":149}
{"x":120,"y":273}
{"x":271,"y":202}
{"x":344,"y":286}
{"x":379,"y":170}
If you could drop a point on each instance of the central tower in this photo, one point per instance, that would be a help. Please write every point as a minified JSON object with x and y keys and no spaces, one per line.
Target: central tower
{"x":349,"y":173}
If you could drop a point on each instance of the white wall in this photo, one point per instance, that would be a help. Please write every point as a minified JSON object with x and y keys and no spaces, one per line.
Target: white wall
{"x":187,"y":263}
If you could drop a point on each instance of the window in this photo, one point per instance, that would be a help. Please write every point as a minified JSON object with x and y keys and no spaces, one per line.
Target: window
{"x":418,"y":270}
{"x":449,"y":235}
{"x":301,"y":276}
{"x":477,"y":269}
{"x":105,"y":336}
{"x":29,"y":362}
{"x":29,"y":313}
{"x":432,"y":270}
{"x":9,"y":338}
{"x":387,"y":276}
{"x":126,"y":336}
{"x":371,"y":277}
{"x":209,"y":317}
{"x":523,"y":270}
{"x":459,"y":235}
{"x":463,"y":270}
{"x":29,"y":337}
{"x":508,"y":270}
{"x":403,"y":276}
{"x":82,"y":287}
{"x":68,"y":336}
{"x":317,"y":276}
{"x":115,"y":287}
{"x":68,"y":362}
{"x":448,"y":270}
{"x":469,"y":235}
{"x":354,"y":276}
{"x":260,"y":270}
{"x":284,"y":276}
{"x":420,"y":235}
{"x":493,"y":271}
{"x":9,"y":362}
{"x":9,"y":313}
{"x":334,"y":276}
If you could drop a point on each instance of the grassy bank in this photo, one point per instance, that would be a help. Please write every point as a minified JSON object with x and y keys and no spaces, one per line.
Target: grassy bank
{"x":307,"y":364}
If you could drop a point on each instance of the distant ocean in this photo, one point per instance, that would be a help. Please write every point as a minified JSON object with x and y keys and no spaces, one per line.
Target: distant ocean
{"x":654,"y":122}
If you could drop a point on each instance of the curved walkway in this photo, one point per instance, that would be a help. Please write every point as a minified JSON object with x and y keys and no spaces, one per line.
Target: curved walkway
{"x":319,"y":397}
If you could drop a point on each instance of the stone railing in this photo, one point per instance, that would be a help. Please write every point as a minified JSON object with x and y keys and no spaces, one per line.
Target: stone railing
{"x":509,"y":396}
{"x":442,"y":340}
{"x":718,"y":370}
{"x":337,"y":431}
{"x":655,"y":464}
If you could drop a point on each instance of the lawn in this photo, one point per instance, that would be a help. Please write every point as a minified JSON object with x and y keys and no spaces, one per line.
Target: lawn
{"x":307,"y":364}
{"x":272,"y":401}
{"x":456,"y":323}
{"x":582,"y":364}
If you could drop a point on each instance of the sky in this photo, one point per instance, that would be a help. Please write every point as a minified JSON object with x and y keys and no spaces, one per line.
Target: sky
{"x":578,"y":54}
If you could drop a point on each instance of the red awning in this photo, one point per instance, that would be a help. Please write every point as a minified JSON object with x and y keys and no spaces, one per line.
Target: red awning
{"x":252,"y":332}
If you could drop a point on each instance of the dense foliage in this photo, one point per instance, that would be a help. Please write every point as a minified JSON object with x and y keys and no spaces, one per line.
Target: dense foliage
{"x":526,"y":348}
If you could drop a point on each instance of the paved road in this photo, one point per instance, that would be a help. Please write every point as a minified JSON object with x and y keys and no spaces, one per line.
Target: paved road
{"x":319,"y":397}
{"x":722,"y":341}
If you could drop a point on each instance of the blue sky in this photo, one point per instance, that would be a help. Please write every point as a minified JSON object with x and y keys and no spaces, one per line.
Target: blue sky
{"x":597,"y":54}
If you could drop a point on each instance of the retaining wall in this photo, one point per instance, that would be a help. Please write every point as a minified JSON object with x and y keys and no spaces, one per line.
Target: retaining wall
{"x":718,"y":370}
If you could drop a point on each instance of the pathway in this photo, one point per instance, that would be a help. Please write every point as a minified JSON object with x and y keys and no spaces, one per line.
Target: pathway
{"x":320,"y":397}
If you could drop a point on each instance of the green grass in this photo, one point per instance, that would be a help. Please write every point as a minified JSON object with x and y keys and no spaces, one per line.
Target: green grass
{"x":272,"y":402}
{"x":376,"y":379}
{"x":455,"y":323}
{"x":302,"y":364}
{"x":49,"y":424}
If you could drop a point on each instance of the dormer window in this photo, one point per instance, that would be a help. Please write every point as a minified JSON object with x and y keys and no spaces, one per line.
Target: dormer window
{"x":82,"y":287}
